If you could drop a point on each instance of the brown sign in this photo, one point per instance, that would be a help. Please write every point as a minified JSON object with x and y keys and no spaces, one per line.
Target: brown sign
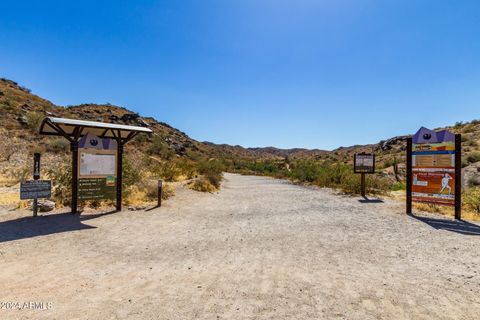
{"x":364,"y":163}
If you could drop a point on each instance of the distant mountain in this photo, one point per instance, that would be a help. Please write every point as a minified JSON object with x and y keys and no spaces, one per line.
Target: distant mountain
{"x":22,"y":111}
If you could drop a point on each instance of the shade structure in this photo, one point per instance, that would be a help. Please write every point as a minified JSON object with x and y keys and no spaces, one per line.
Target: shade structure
{"x":72,"y":129}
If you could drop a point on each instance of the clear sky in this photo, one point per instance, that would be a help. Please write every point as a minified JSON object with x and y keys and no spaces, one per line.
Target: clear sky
{"x":285,"y":73}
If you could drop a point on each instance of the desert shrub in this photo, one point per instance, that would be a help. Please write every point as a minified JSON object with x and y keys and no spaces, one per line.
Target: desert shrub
{"x":471,"y":199}
{"x":398,"y":186}
{"x":339,"y":176}
{"x":473,"y":157}
{"x":167,"y":170}
{"x":20,"y":173}
{"x":160,"y":148}
{"x":212,"y":171}
{"x":131,"y":172}
{"x":61,"y":176}
{"x":186,"y":168}
{"x":202,"y":185}
{"x":34,"y":119}
{"x":57,"y":145}
{"x":150,"y":188}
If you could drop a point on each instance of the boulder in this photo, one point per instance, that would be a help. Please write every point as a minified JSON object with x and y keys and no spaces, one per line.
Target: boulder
{"x":23,"y":120}
{"x":142,"y":122}
{"x":45,"y":205}
{"x":128,"y":117}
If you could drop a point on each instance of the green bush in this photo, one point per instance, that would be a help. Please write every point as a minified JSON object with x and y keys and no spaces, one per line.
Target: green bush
{"x":160,"y":148}
{"x":471,"y":199}
{"x":212,"y":171}
{"x":34,"y":119}
{"x":61,"y":176}
{"x":57,"y":145}
{"x":131,"y":172}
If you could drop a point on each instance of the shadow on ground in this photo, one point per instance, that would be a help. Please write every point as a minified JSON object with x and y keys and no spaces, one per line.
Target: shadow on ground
{"x":458,"y":226}
{"x":29,"y":227}
{"x":367,"y":200}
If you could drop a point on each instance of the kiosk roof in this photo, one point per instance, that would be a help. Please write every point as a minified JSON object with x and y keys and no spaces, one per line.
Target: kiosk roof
{"x":72,"y":128}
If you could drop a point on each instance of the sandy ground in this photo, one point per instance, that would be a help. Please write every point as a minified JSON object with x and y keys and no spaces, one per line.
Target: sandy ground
{"x":259,"y":249}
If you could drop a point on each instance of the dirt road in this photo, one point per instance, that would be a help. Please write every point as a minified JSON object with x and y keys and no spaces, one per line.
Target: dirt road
{"x":260,"y":249}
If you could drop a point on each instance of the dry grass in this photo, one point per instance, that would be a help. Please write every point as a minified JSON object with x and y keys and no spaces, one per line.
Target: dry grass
{"x":202,"y":185}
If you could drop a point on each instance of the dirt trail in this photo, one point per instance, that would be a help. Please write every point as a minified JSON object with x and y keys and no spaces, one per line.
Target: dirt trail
{"x":259,"y":249}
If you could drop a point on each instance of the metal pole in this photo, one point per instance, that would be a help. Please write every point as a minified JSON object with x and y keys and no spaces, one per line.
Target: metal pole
{"x":363,"y":185}
{"x":409,"y":176}
{"x":36,"y":176}
{"x":160,"y":192}
{"x":119,"y":174}
{"x":458,"y":176}
{"x":74,"y":149}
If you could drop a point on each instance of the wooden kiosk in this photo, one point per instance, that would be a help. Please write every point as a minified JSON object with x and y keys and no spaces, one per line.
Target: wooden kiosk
{"x":106,"y":140}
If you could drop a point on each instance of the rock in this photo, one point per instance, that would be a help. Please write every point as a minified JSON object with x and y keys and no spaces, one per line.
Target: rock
{"x":23,"y":120}
{"x":1,"y":94}
{"x":471,"y":175}
{"x":388,"y":145}
{"x":128,"y":117}
{"x":45,"y":205}
{"x":50,"y":114}
{"x":137,"y":208}
{"x":113,"y":118}
{"x":142,"y":122}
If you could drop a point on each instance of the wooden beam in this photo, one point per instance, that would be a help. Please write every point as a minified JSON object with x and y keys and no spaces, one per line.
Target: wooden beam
{"x":458,"y":176}
{"x":409,"y":176}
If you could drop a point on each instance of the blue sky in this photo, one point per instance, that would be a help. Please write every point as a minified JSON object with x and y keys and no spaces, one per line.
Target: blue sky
{"x":303,"y":73}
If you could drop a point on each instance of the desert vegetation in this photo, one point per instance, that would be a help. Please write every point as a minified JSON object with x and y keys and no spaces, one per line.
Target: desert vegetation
{"x":172,"y":156}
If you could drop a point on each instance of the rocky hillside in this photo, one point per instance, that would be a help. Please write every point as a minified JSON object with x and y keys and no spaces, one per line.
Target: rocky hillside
{"x":22,"y":112}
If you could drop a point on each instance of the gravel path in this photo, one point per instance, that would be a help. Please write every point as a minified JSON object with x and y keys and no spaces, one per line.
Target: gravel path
{"x":259,"y":249}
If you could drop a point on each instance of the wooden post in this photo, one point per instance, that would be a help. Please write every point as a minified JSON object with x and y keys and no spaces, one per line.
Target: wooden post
{"x":363,"y":185}
{"x":160,"y":192}
{"x":458,"y":176}
{"x":119,"y":174}
{"x":36,"y":176}
{"x":74,"y":149}
{"x":409,"y":176}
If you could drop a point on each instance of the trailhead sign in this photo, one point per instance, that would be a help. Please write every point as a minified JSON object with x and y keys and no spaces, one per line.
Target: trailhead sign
{"x":364,"y":163}
{"x":97,"y":163}
{"x":35,"y":189}
{"x":433,"y":167}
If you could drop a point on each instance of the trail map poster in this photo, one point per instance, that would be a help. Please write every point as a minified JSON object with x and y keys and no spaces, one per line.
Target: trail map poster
{"x":364,"y":163}
{"x":97,"y":168}
{"x":94,"y":164}
{"x":433,"y":167}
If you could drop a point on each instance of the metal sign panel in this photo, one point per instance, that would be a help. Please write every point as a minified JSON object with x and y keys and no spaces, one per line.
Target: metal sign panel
{"x":35,"y":189}
{"x":96,"y":188}
{"x":364,"y":163}
{"x":433,"y":167}
{"x":97,"y":168}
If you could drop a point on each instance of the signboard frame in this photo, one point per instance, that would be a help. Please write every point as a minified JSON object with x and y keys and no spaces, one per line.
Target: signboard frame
{"x":357,"y":170}
{"x":97,"y":186}
{"x":455,"y":169}
{"x":44,"y":193}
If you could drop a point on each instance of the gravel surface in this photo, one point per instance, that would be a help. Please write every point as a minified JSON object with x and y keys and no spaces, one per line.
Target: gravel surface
{"x":259,"y":249}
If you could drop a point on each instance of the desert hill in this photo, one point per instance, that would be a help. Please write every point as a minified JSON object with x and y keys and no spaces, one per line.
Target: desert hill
{"x":172,"y":155}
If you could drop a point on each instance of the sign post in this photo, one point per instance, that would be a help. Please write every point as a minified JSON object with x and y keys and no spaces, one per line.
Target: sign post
{"x":36,"y":176}
{"x":363,"y":163}
{"x":36,"y":188}
{"x":434,"y":169}
{"x":160,"y":192}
